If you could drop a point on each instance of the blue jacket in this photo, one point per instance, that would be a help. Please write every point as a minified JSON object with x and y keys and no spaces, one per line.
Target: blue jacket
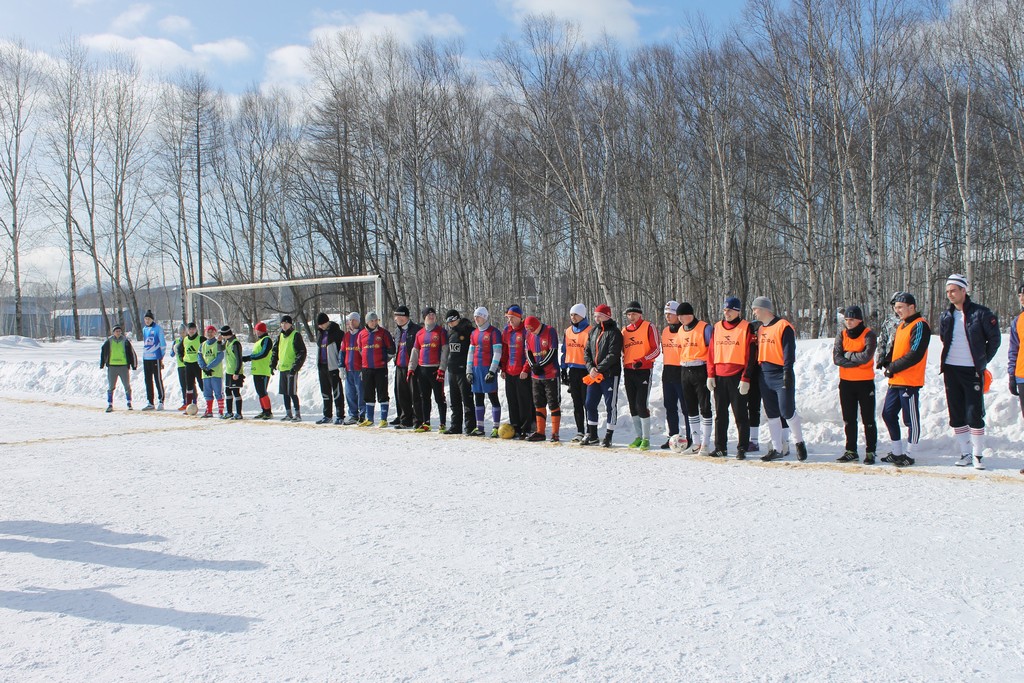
{"x":153,"y":342}
{"x":982,"y":334}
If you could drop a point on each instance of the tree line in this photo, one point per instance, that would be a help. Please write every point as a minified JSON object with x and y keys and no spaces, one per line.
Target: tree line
{"x":822,"y":153}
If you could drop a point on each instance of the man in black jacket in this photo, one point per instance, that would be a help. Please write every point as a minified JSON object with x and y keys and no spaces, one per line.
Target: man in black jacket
{"x":459,"y":385}
{"x":329,"y":337}
{"x":970,"y":338}
{"x":407,"y":395}
{"x":603,"y":357}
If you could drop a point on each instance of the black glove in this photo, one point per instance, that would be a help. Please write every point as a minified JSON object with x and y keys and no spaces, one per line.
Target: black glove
{"x":888,"y":372}
{"x":208,"y":373}
{"x":565,"y":375}
{"x":637,"y":365}
{"x":879,"y":365}
{"x":1014,"y":389}
{"x":489,"y":377}
{"x":788,"y":380}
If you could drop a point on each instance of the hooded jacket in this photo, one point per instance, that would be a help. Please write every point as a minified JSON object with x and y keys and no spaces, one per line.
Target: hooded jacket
{"x":604,"y":349}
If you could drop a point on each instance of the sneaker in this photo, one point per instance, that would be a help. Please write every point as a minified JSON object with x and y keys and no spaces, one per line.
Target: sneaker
{"x":129,"y":406}
{"x":701,"y":450}
{"x":339,"y":421}
{"x":476,"y":431}
{"x":635,"y":443}
{"x":869,"y":458}
{"x":225,"y":416}
{"x":297,"y":418}
{"x":964,"y":460}
{"x":589,"y":440}
{"x":607,"y":441}
{"x":665,"y":446}
{"x":160,"y":406}
{"x":207,"y":415}
{"x":741,"y":454}
{"x":455,"y":431}
{"x":267,"y":415}
{"x":325,"y":420}
{"x":753,"y":447}
{"x":351,"y":420}
{"x":148,"y":406}
{"x":423,"y":428}
{"x":366,"y":423}
{"x":554,"y":439}
{"x":383,"y":424}
{"x":109,"y":409}
{"x":182,"y":407}
{"x":238,"y":416}
{"x":578,"y":438}
{"x":848,"y":456}
{"x":287,"y":417}
{"x":888,"y":457}
{"x":902,"y":460}
{"x":645,"y":445}
{"x":772,"y":454}
{"x":394,"y":423}
{"x":536,"y":436}
{"x":717,"y":454}
{"x":494,"y":433}
{"x":801,"y":451}
{"x":977,"y":463}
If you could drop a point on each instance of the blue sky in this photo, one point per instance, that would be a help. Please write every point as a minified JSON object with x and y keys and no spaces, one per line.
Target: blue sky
{"x":264,"y":41}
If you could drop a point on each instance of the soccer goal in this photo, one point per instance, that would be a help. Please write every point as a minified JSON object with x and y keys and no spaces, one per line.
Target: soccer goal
{"x":244,"y":305}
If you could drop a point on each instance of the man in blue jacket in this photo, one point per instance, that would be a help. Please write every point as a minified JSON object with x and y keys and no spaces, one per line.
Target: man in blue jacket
{"x":970,"y":337}
{"x":153,"y":347}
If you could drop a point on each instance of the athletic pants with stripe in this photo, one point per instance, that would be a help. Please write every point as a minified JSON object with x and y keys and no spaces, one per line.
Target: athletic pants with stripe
{"x":153,"y":377}
{"x":902,"y":400}
{"x":609,"y":391}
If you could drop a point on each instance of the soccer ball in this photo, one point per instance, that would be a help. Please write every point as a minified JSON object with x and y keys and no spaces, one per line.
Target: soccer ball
{"x":677,"y":443}
{"x":192,"y":409}
{"x":506,"y":431}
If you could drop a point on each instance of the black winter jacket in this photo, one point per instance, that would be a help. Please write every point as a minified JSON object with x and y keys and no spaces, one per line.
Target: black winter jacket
{"x":982,"y":334}
{"x":604,"y":349}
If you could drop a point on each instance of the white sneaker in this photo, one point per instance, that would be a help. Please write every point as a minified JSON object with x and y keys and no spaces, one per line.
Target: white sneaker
{"x":977,"y":463}
{"x":703,"y":450}
{"x":964,"y":460}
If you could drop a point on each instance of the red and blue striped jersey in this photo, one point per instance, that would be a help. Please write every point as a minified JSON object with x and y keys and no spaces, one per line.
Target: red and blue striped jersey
{"x":429,"y":344}
{"x":483,"y":343}
{"x":350,"y":355}
{"x":513,"y":350}
{"x":375,"y":347}
{"x":404,"y":340}
{"x":543,"y":353}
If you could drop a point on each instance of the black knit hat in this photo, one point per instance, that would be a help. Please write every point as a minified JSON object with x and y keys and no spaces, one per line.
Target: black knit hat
{"x":905,"y":298}
{"x":322,"y":318}
{"x":854,"y":313}
{"x":634,"y":307}
{"x":427,"y":310}
{"x":451,"y":316}
{"x":286,"y":319}
{"x":192,"y":325}
{"x":116,"y":327}
{"x":685,"y":308}
{"x":225,"y":331}
{"x":402,"y":310}
{"x":149,"y":314}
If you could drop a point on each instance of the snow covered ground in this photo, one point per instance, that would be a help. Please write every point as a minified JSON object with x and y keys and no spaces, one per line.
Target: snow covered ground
{"x":152,"y":546}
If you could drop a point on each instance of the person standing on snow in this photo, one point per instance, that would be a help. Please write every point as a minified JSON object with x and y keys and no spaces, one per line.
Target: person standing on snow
{"x":574,"y":367}
{"x":329,"y":338}
{"x":407,"y":395}
{"x":211,"y":361}
{"x":970,"y":338}
{"x":193,"y":373}
{"x":542,"y":357}
{"x":854,"y":352}
{"x":350,"y":361}
{"x":672,"y":376}
{"x":732,"y":362}
{"x":514,"y":370}
{"x":459,"y":385}
{"x":1015,"y":359}
{"x":233,"y":372}
{"x":376,"y":348}
{"x":776,"y":355}
{"x":178,"y":354}
{"x":482,"y":369}
{"x":427,"y":360}
{"x":694,"y":338}
{"x":639,"y":349}
{"x":153,"y":347}
{"x":261,"y":359}
{"x":904,"y":366}
{"x":117,"y":355}
{"x":288,"y":357}
{"x":603,"y":357}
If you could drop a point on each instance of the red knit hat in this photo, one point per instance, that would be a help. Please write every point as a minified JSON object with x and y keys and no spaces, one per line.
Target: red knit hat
{"x":532,"y":322}
{"x":604,"y":309}
{"x":260,"y":328}
{"x":211,"y":328}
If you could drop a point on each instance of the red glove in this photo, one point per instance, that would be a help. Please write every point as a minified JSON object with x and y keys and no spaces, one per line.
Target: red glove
{"x":440,"y":375}
{"x":409,"y":374}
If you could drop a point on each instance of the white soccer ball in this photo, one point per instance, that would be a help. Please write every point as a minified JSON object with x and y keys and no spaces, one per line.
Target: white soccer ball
{"x":677,"y":443}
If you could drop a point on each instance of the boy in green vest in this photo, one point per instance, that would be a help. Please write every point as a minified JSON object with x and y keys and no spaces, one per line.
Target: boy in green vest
{"x":211,"y":360}
{"x":261,"y":357}
{"x":289,"y":355}
{"x":117,"y":355}
{"x":233,"y":377}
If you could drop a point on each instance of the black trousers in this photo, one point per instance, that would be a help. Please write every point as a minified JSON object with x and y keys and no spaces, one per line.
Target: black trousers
{"x":461,"y":392}
{"x":260,"y":384}
{"x":547,"y":392}
{"x":183,"y":381}
{"x":519,"y":395}
{"x":727,"y":395}
{"x":578,"y":393}
{"x":964,"y":398}
{"x":331,"y":391}
{"x":695,"y":391}
{"x":638,"y":389}
{"x":154,"y":377}
{"x":426,"y":379}
{"x":375,"y":385}
{"x":854,"y":396}
{"x":233,"y":393}
{"x":407,"y":398}
{"x":193,"y":376}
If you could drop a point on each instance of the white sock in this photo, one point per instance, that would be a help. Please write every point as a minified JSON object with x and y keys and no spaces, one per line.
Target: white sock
{"x":775,"y":429}
{"x":978,"y":441}
{"x":785,"y":433}
{"x":963,"y":441}
{"x":755,"y":429}
{"x":645,"y":427}
{"x":709,"y":434}
{"x":796,"y":425}
{"x":897,"y":447}
{"x":694,"y":422}
{"x":908,"y":447}
{"x":637,"y":427}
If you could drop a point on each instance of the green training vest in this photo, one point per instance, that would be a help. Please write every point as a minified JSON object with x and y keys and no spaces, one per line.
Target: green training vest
{"x":118,"y":356}
{"x":179,"y":353}
{"x":192,"y":348}
{"x":261,"y":366}
{"x":210,"y":350}
{"x":231,"y":354}
{"x":286,"y":352}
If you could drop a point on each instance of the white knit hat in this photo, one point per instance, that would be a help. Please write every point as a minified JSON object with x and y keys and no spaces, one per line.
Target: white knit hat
{"x":958,"y":280}
{"x":672,"y":307}
{"x":578,"y":309}
{"x":481,"y":313}
{"x":353,"y":316}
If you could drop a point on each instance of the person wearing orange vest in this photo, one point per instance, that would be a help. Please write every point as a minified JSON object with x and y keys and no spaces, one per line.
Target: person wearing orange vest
{"x":776,"y":356}
{"x":672,"y":376}
{"x":694,"y":345}
{"x":732,"y":354}
{"x":639,"y":349}
{"x":574,"y":365}
{"x":1015,"y":364}
{"x":904,"y":366}
{"x":854,"y":353}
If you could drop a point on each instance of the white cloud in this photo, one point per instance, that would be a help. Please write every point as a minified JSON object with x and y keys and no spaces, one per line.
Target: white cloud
{"x":163,"y":55}
{"x":131,"y":20}
{"x":287,"y":67}
{"x":616,"y":17}
{"x":175,"y":25}
{"x":406,"y":28}
{"x":228,"y":51}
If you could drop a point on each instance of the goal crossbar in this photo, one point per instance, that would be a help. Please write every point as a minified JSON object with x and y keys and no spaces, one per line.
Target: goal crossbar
{"x":376,"y":280}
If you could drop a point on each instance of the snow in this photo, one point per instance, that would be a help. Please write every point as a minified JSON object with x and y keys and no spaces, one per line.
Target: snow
{"x":151,"y":546}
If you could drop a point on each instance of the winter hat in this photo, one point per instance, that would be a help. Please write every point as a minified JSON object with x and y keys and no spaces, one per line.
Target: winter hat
{"x":399,"y":310}
{"x":634,"y":307}
{"x":763,"y":302}
{"x":732,"y":303}
{"x":322,"y":318}
{"x":603,"y":309}
{"x":905,"y":298}
{"x":182,"y":328}
{"x":685,"y":308}
{"x":1020,"y":290}
{"x":854,"y":313}
{"x":352,"y":316}
{"x":481,"y":312}
{"x":117,"y":327}
{"x":211,"y":328}
{"x":372,"y":316}
{"x":451,"y":316}
{"x":225,"y":331}
{"x":578,"y":309}
{"x":532,"y":322}
{"x":514,"y":310}
{"x":895,"y":297}
{"x":261,"y":328}
{"x":958,"y":280}
{"x":149,"y":314}
{"x":672,"y":307}
{"x":427,"y":310}
{"x":286,"y":319}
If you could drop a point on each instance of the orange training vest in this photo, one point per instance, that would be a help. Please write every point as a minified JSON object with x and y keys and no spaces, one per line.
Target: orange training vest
{"x":1018,"y":369}
{"x":670,"y":346}
{"x":769,"y":342}
{"x":636,"y":344}
{"x":575,"y":343}
{"x":692,"y":344}
{"x":914,"y":375}
{"x":861,"y":372}
{"x":731,"y":346}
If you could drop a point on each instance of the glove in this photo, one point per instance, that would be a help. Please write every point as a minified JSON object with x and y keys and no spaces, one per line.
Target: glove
{"x":637,"y":365}
{"x":208,"y":373}
{"x":469,"y":378}
{"x":1014,"y":389}
{"x":490,"y":377}
{"x":711,"y":383}
{"x":524,"y":374}
{"x":440,"y":375}
{"x":888,"y":372}
{"x":788,"y":380}
{"x":409,"y":374}
{"x":565,"y":375}
{"x":744,"y":387}
{"x":878,"y":365}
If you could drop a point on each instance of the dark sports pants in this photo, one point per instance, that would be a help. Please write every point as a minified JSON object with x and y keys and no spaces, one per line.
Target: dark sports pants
{"x":578,"y":393}
{"x":183,"y":382}
{"x":407,"y":398}
{"x":426,"y":378}
{"x":330,"y":391}
{"x":727,"y":395}
{"x":902,"y":400}
{"x":675,"y":399}
{"x":154,"y":376}
{"x":964,"y":398}
{"x":519,"y":395}
{"x":375,"y":385}
{"x":288,"y":387}
{"x":461,"y":396}
{"x":233,"y":393}
{"x":854,"y":395}
{"x":193,"y":376}
{"x":608,"y":390}
{"x":638,"y":389}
